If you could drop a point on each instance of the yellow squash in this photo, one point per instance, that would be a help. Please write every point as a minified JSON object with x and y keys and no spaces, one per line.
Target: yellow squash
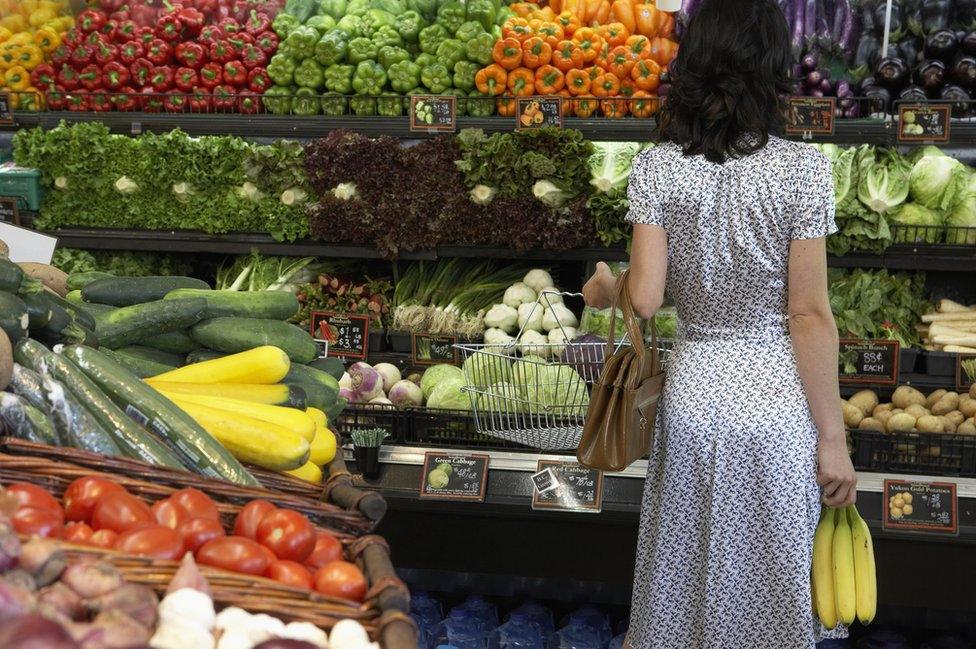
{"x":308,"y":472}
{"x":289,"y":418}
{"x":265,"y":364}
{"x":322,"y":449}
{"x":276,"y":394}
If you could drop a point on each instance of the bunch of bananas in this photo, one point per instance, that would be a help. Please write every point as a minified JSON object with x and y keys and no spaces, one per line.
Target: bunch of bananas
{"x":844,"y":585}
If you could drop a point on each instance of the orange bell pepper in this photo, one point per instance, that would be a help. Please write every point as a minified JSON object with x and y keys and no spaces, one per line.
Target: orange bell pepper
{"x":663,"y":51}
{"x":667,"y":25}
{"x":646,"y":15}
{"x":622,"y":11}
{"x":551,"y":33}
{"x":536,"y":52}
{"x":646,"y":75}
{"x":521,"y":82}
{"x":507,"y":53}
{"x":549,"y":80}
{"x":614,"y":107}
{"x":602,"y":59}
{"x":506,"y":106}
{"x":620,"y":62}
{"x":627,"y":87}
{"x":546,"y":14}
{"x":593,"y":72}
{"x":578,"y":8}
{"x":614,"y":33}
{"x":567,"y":55}
{"x":643,"y":104}
{"x":602,"y":14}
{"x":517,"y":28}
{"x":639,"y":45}
{"x":578,"y":82}
{"x":584,"y":107}
{"x":555,"y":5}
{"x":605,"y":85}
{"x":569,"y":21}
{"x":589,"y":14}
{"x":589,"y":41}
{"x":491,"y":80}
{"x":523,"y":9}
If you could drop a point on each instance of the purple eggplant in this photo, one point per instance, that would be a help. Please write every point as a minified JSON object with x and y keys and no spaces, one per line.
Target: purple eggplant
{"x":892,"y":73}
{"x":930,"y":75}
{"x":941,"y":45}
{"x":968,"y":44}
{"x":936,"y":15}
{"x":866,"y":82}
{"x":897,"y":19}
{"x":912,"y":93}
{"x":878,"y":99}
{"x":965,"y":14}
{"x":837,"y":26}
{"x":814,"y":78}
{"x":844,"y":88}
{"x":962,"y":101}
{"x":797,"y":35}
{"x":963,"y":71}
{"x":815,"y":93}
{"x":810,"y":19}
{"x":866,"y":52}
{"x":908,"y":50}
{"x":853,"y":112}
{"x":868,"y":23}
{"x":809,"y":61}
{"x":827,"y":87}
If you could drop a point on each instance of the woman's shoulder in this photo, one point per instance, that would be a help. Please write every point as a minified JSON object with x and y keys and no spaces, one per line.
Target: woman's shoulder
{"x":801,"y":154}
{"x":655,"y":157}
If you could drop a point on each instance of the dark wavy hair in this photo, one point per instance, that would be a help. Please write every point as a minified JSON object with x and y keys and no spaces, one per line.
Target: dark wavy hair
{"x":729,"y":81}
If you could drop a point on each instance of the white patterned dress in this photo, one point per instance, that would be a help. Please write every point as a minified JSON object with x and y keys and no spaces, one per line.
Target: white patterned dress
{"x":731,"y":501}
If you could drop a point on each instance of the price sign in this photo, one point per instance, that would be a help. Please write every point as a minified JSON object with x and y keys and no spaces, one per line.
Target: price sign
{"x":965,"y":372}
{"x":433,"y":113}
{"x":6,"y":112}
{"x":923,"y":122}
{"x":567,"y":486}
{"x":538,"y":112}
{"x":869,"y":361}
{"x":341,"y":334}
{"x":921,"y":506}
{"x":455,"y":476}
{"x":434,"y":350}
{"x":8,"y":210}
{"x":811,"y":115}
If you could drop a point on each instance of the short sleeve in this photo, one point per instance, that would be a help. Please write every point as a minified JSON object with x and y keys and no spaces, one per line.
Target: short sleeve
{"x":815,"y":207}
{"x":645,"y":200}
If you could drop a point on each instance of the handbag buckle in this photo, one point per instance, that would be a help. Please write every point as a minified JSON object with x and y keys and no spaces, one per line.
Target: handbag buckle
{"x":643,"y":419}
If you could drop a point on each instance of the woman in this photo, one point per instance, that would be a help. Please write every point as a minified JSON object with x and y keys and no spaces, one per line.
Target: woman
{"x":732,"y":219}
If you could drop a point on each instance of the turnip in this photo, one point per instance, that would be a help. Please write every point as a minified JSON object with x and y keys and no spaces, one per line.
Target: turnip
{"x":345,"y":381}
{"x":390,"y":373}
{"x":366,"y":381}
{"x":380,"y":402}
{"x":530,"y":317}
{"x":406,"y":393}
{"x":518,"y":294}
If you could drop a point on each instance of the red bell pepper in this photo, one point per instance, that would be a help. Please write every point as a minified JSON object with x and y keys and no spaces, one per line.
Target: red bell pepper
{"x":235,"y":74}
{"x":267,"y":42}
{"x":211,"y":75}
{"x":150,"y":101}
{"x":121,"y":15}
{"x":224,"y":99}
{"x":210,"y":35}
{"x":81,"y":56}
{"x":191,"y":55}
{"x":111,"y":5}
{"x":105,"y":53}
{"x":125,"y":99}
{"x":73,"y":37}
{"x":237,"y":44}
{"x":68,"y":78}
{"x":193,"y":20}
{"x":44,"y":76}
{"x":91,"y":77}
{"x":221,"y":52}
{"x":56,"y":98}
{"x":162,"y":78}
{"x":258,"y":80}
{"x":253,"y":57}
{"x":77,"y":101}
{"x":131,"y":51}
{"x":61,"y":55}
{"x":90,"y":20}
{"x":115,"y":75}
{"x":200,"y":100}
{"x":249,"y":104}
{"x":159,"y":52}
{"x":257,"y":23}
{"x":229,"y":26}
{"x":186,"y":79}
{"x":175,"y":102}
{"x":208,"y":7}
{"x":141,"y":72}
{"x":109,"y":30}
{"x":146,"y":35}
{"x":144,"y":15}
{"x":100,"y":102}
{"x":170,"y":28}
{"x":125,"y":32}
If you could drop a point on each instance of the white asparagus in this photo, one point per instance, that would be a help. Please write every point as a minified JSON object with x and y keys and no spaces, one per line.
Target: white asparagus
{"x":965,"y":341}
{"x":962,"y":316}
{"x":940,"y":329}
{"x":959,"y":349}
{"x":948,"y":306}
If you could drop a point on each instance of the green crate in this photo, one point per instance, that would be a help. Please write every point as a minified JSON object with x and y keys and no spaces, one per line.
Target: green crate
{"x":24,"y":184}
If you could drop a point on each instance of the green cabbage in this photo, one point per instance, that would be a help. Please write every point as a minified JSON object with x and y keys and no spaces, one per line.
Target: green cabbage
{"x":434,"y":375}
{"x":845,"y":172}
{"x":883,"y":183}
{"x":483,"y":369}
{"x":502,"y":398}
{"x":557,"y":390}
{"x":936,"y":180}
{"x":526,"y":369}
{"x":962,"y":215}
{"x":610,"y":164}
{"x":448,"y":395}
{"x":914,"y":214}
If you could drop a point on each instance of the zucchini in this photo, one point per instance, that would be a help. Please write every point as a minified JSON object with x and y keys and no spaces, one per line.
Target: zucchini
{"x":239,"y":334}
{"x":265,"y":364}
{"x":335,"y":409}
{"x":197,"y":449}
{"x":155,"y":355}
{"x":38,"y":310}
{"x":289,"y":418}
{"x":202,"y":354}
{"x":14,"y":317}
{"x":321,"y":389}
{"x":24,"y":421}
{"x":130,"y":437}
{"x":78,"y":281}
{"x":95,"y":310}
{"x":74,"y":297}
{"x":83,"y":317}
{"x":13,"y":279}
{"x":60,"y":329}
{"x":273,"y":305}
{"x":174,"y":342}
{"x":133,"y":323}
{"x":126,"y":291}
{"x":330,"y":365}
{"x":139,"y":366}
{"x":75,"y":424}
{"x":274,"y":395}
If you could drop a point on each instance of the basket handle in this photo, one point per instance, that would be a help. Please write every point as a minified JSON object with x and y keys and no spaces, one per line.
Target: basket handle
{"x":544,"y":295}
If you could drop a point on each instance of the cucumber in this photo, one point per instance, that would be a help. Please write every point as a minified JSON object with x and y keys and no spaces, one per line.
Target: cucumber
{"x":141,"y":367}
{"x":202,"y":354}
{"x":26,"y":383}
{"x":39,"y":310}
{"x":234,"y":335}
{"x":95,"y":310}
{"x":197,"y":448}
{"x":333,"y":411}
{"x":174,"y":342}
{"x":14,"y":317}
{"x":13,"y":279}
{"x":78,"y":281}
{"x":321,"y":389}
{"x":150,"y":354}
{"x":74,"y":297}
{"x":130,"y":437}
{"x":83,"y":317}
{"x":24,"y":421}
{"x":60,"y":329}
{"x":330,"y":365}
{"x":126,"y":291}
{"x":133,"y":323}
{"x":273,"y":305}
{"x":76,"y":426}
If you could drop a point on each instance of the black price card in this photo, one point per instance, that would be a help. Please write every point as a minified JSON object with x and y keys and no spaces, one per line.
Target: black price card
{"x":433,"y":113}
{"x":434,"y":350}
{"x":923,"y":122}
{"x":455,"y":476}
{"x":538,"y":112}
{"x":8,"y":210}
{"x":6,"y":108}
{"x":341,"y":334}
{"x":811,"y":115}
{"x":869,"y":361}
{"x":567,"y":486}
{"x":921,"y":506}
{"x":965,"y":371}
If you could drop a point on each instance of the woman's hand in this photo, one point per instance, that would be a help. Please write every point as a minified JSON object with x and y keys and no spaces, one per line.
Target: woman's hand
{"x":598,"y":290}
{"x":835,"y":473}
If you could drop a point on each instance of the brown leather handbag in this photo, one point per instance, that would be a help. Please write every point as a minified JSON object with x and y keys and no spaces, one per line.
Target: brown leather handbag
{"x":619,"y":424}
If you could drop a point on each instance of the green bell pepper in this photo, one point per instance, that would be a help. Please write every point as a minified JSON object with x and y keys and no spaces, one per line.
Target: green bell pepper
{"x":338,"y":78}
{"x":462,"y":98}
{"x":301,"y":9}
{"x":386,"y":36}
{"x":375,"y":19}
{"x":451,"y":15}
{"x":310,"y":75}
{"x":334,"y":8}
{"x":361,"y":49}
{"x":409,"y":94}
{"x":423,"y":60}
{"x":357,"y":7}
{"x":322,"y":24}
{"x":300,"y":43}
{"x":389,"y":105}
{"x":277,"y":100}
{"x":449,"y":52}
{"x":464,"y":72}
{"x":334,"y":104}
{"x":389,"y":55}
{"x":284,"y":24}
{"x":281,"y":69}
{"x":432,"y":36}
{"x":480,"y":104}
{"x":478,"y":49}
{"x":363,"y":106}
{"x":408,"y":26}
{"x":352,"y":26}
{"x":468,"y":30}
{"x":369,"y":78}
{"x":436,"y":78}
{"x":395,"y":7}
{"x":404,"y":76}
{"x":332,"y":47}
{"x":484,"y":12}
{"x":503,"y":14}
{"x":305,"y":102}
{"x":426,"y":8}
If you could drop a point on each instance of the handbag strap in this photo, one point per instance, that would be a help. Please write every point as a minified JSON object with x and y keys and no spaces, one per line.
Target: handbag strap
{"x":621,"y":300}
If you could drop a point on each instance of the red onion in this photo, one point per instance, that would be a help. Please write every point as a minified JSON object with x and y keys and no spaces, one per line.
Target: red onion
{"x":9,"y":546}
{"x":43,"y":559}
{"x":34,"y":632}
{"x":21,"y":578}
{"x":58,"y":600}
{"x":92,"y":579}
{"x":111,"y":630}
{"x":135,"y":600}
{"x":14,"y":601}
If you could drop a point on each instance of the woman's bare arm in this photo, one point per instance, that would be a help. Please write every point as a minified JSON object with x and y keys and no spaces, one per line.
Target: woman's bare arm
{"x":814,"y":335}
{"x":648,"y":271}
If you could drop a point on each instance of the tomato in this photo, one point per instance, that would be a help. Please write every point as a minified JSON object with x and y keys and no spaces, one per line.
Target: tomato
{"x":196,"y":503}
{"x":42,"y":522}
{"x":169,"y":514}
{"x":79,"y":533}
{"x":327,"y":549}
{"x":288,"y":534}
{"x":29,"y":495}
{"x":157,"y":541}
{"x":104,"y":538}
{"x":121,"y":511}
{"x":290,"y":574}
{"x":197,"y":531}
{"x":83,"y":494}
{"x":341,"y":579}
{"x":272,"y":557}
{"x":250,"y":517}
{"x":234,"y":553}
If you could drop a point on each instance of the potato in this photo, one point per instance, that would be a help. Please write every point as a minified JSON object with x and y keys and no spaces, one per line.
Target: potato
{"x":906,"y":395}
{"x":945,"y":405}
{"x":51,"y":277}
{"x":930,"y":451}
{"x":6,"y":361}
{"x":852,"y":415}
{"x":896,"y":411}
{"x":967,"y":427}
{"x":948,"y":426}
{"x":930,"y":424}
{"x":934,"y":397}
{"x":866,"y":400}
{"x":882,"y":407}
{"x":901,"y":423}
{"x":882,"y":416}
{"x":967,"y":406}
{"x":972,"y":391}
{"x":917,"y":411}
{"x":955,"y":417}
{"x":870,"y":423}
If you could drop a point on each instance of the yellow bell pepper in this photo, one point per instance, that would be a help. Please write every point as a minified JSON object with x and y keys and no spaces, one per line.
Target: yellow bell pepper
{"x":30,"y":6}
{"x":47,"y":40}
{"x":8,"y":55}
{"x":41,"y":16}
{"x":30,"y":56}
{"x":65,"y":23}
{"x":5,"y":34}
{"x":21,"y":38}
{"x":15,"y":23}
{"x":17,"y":77}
